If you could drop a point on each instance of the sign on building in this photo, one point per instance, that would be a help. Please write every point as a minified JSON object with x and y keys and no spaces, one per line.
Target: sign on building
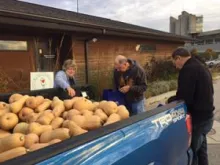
{"x":42,"y":80}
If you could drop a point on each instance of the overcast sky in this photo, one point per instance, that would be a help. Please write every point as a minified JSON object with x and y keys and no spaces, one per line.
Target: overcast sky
{"x":149,"y":13}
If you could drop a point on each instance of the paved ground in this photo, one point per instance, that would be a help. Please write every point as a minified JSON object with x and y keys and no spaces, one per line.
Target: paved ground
{"x":214,"y":136}
{"x":214,"y":154}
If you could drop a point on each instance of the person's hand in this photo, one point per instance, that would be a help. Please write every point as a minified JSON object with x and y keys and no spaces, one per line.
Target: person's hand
{"x":71,"y":91}
{"x":125,"y":89}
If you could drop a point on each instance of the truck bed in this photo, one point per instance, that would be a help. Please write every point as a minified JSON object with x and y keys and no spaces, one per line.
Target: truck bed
{"x":156,"y":137}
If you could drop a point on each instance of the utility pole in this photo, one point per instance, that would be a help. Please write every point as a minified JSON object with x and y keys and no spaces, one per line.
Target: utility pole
{"x":77,"y":5}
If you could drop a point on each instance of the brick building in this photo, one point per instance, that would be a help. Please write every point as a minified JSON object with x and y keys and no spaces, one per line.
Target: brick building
{"x":39,"y":38}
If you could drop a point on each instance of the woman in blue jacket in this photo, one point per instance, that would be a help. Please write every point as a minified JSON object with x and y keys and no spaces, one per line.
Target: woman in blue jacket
{"x":65,"y":78}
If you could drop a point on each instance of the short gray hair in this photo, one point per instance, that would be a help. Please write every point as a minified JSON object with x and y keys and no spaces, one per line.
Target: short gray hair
{"x":120,"y":59}
{"x":69,"y":63}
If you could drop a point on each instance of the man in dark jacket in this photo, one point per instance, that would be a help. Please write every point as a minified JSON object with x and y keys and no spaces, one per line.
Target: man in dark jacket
{"x":196,"y":89}
{"x":130,"y":79}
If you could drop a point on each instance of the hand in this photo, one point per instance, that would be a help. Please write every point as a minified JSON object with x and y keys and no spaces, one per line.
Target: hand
{"x":125,"y":89}
{"x":71,"y":91}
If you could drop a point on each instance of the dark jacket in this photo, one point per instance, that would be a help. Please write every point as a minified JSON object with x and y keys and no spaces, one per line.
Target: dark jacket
{"x":195,"y":87}
{"x":136,"y":78}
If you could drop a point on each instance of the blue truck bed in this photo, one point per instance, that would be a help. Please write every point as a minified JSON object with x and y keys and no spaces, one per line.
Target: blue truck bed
{"x":156,"y":137}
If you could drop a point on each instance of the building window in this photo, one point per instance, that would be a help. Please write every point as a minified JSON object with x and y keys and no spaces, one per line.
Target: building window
{"x":199,"y":43}
{"x":217,"y":40}
{"x":144,"y":48}
{"x":209,"y":41}
{"x":13,"y":45}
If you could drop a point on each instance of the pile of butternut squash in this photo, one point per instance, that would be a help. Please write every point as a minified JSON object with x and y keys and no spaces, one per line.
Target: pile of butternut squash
{"x":29,"y":123}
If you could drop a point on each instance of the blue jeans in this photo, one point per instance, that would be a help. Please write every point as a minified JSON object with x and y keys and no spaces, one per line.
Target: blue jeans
{"x":199,"y":142}
{"x":136,"y":107}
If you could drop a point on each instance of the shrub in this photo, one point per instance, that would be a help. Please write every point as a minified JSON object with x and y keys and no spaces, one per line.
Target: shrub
{"x":160,"y":70}
{"x":160,"y":87}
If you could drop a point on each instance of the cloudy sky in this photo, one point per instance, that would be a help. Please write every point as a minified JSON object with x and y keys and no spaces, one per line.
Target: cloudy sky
{"x":149,"y":13}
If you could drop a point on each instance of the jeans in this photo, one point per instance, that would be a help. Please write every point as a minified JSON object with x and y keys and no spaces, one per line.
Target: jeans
{"x":136,"y":107}
{"x":199,"y":142}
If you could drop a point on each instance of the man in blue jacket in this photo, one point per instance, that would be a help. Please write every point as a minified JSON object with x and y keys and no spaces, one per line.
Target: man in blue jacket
{"x":130,"y":79}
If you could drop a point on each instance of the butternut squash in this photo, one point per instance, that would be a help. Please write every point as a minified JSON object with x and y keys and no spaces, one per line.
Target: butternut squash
{"x":91,"y":105}
{"x":82,"y":104}
{"x":58,"y":109}
{"x":54,"y":141}
{"x":47,"y":112}
{"x":65,"y":124}
{"x":4,"y":111}
{"x":123,"y":112}
{"x":16,"y":106}
{"x":4,"y":133}
{"x":75,"y":130}
{"x":74,"y":99}
{"x":33,"y":102}
{"x":95,"y":105}
{"x":109,"y":107}
{"x":15,"y":97}
{"x":101,"y":114}
{"x":21,"y":128}
{"x":31,"y":139}
{"x":11,"y":141}
{"x":55,"y":102}
{"x":37,"y":146}
{"x":38,"y":128}
{"x":3,"y":105}
{"x":32,"y":117}
{"x":92,"y":122}
{"x":8,"y":121}
{"x":45,"y":119}
{"x":57,"y":122}
{"x":78,"y":119}
{"x":23,"y":114}
{"x":73,"y":112}
{"x":45,"y":105}
{"x":59,"y":133}
{"x":112,"y":119}
{"x":12,"y":153}
{"x":87,"y":113}
{"x":64,"y":115}
{"x":68,"y":104}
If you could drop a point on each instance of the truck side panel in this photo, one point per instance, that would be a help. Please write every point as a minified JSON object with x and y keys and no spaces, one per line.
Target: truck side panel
{"x":160,"y":139}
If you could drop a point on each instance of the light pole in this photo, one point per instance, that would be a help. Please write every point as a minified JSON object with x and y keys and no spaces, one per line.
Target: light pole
{"x":77,"y":5}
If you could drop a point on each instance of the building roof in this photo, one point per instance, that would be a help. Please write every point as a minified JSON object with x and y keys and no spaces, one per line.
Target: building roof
{"x":27,"y":10}
{"x":212,"y":32}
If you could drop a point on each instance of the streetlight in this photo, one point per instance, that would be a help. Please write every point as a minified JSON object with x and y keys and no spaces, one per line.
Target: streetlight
{"x":77,"y":5}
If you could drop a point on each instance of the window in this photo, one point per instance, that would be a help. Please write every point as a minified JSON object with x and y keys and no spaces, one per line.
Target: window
{"x":13,"y":45}
{"x":200,"y":43}
{"x":217,"y":40}
{"x":209,"y":41}
{"x":146,"y":48}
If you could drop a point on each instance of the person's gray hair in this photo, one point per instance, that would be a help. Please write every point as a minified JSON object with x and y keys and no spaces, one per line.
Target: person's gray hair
{"x":120,"y":59}
{"x":69,"y":63}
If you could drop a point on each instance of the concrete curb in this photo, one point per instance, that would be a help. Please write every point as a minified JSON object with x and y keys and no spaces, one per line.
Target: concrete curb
{"x":158,"y":98}
{"x":163,"y":96}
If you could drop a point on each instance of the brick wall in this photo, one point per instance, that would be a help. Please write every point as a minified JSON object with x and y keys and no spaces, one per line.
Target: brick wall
{"x":102,"y":53}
